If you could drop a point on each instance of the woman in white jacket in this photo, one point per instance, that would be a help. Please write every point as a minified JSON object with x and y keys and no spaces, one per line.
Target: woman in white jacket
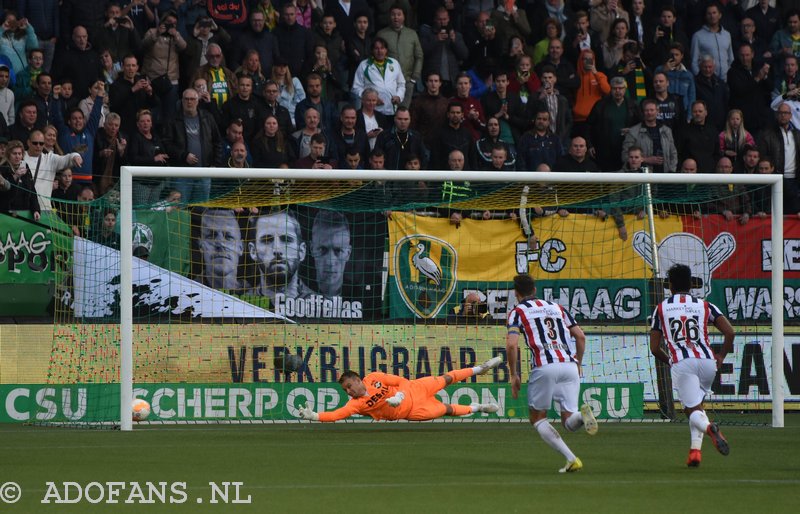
{"x":384,"y":75}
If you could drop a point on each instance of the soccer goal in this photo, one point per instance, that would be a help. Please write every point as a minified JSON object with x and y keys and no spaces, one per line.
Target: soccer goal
{"x":241,"y":305}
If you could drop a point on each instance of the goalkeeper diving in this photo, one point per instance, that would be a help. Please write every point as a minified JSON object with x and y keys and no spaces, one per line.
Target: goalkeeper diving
{"x":383,"y":396}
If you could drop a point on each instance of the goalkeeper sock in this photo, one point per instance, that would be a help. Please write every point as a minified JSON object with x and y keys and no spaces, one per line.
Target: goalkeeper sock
{"x":698,"y":423}
{"x":574,"y":422}
{"x":459,"y":375}
{"x":553,"y":439}
{"x":461,"y":410}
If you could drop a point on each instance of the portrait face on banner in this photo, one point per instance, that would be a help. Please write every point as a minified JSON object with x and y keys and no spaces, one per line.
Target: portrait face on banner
{"x":331,"y":249}
{"x":221,"y":247}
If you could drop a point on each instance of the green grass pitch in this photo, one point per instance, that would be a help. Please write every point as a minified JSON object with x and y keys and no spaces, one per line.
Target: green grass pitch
{"x":410,"y":467}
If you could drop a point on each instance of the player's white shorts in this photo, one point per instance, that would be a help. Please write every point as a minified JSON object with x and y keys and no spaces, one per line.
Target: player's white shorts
{"x":558,"y":381}
{"x":692,"y":379}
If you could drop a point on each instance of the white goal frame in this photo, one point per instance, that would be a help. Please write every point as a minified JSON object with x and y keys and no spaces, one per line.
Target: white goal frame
{"x":128,"y":173}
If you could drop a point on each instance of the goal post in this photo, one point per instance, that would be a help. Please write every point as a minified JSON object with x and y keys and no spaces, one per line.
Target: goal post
{"x":129,"y":174}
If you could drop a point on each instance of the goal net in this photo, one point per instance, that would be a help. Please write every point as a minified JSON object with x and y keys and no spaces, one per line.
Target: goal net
{"x":242,"y":306}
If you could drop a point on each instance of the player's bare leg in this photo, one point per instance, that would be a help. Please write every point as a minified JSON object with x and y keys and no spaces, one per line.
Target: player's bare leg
{"x":550,"y":435}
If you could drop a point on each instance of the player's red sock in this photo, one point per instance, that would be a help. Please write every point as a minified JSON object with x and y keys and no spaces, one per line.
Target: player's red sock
{"x":460,"y":374}
{"x":460,"y":410}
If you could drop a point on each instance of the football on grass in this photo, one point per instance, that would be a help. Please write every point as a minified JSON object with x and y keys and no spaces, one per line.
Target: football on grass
{"x":141,"y":409}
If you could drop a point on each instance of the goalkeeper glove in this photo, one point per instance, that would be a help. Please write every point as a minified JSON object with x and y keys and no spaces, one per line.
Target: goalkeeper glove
{"x":395,"y":400}
{"x":308,"y":414}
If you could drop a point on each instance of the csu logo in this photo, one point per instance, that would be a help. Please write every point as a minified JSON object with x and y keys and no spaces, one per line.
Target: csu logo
{"x":425,"y":271}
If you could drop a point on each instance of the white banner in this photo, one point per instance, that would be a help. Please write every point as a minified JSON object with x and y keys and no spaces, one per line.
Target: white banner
{"x":155,"y":289}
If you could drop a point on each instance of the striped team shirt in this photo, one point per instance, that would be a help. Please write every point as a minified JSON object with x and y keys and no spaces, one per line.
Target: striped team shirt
{"x":683,"y":321}
{"x":545,"y":326}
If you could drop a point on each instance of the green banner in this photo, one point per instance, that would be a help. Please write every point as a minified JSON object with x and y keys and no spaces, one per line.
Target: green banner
{"x":89,"y":403}
{"x":165,"y":234}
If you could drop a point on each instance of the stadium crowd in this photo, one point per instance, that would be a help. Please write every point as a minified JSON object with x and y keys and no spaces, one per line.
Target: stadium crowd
{"x":564,"y":85}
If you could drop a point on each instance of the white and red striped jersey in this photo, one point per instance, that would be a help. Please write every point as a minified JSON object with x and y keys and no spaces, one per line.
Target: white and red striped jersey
{"x":683,"y":321}
{"x":545,"y":326}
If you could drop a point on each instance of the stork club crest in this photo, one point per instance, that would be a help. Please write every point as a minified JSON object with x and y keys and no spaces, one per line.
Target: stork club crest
{"x":425,"y":273}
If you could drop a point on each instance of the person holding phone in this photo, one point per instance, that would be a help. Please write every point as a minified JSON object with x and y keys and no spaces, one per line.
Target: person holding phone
{"x":316,"y":159}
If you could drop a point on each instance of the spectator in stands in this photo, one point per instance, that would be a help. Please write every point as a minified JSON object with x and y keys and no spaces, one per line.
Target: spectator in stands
{"x":429,"y":110}
{"x":443,"y":50}
{"x":401,"y":141}
{"x":681,"y":81}
{"x":244,"y":107}
{"x":274,"y":108}
{"x":577,"y":158}
{"x":761,"y":199}
{"x":161,"y":49}
{"x":484,"y":44}
{"x":17,"y":40}
{"x":238,"y":157}
{"x":506,"y":106}
{"x":7,"y":107}
{"x":130,"y":93}
{"x":359,"y":44}
{"x":43,"y":15}
{"x":295,"y":42}
{"x":667,"y":33}
{"x":609,"y":121}
{"x":146,"y":149}
{"x":454,"y":135}
{"x":749,"y":88}
{"x":564,"y":70}
{"x":20,"y":197}
{"x":747,"y":34}
{"x":107,"y":235}
{"x":192,"y":139}
{"x":781,"y":143}
{"x":603,"y":15}
{"x":207,"y":103}
{"x":234,"y":133}
{"x":654,"y":140}
{"x":204,"y":33}
{"x":482,"y":154}
{"x":525,"y":81}
{"x":765,"y":18}
{"x":318,"y":155}
{"x":117,"y":35}
{"x":42,"y":98}
{"x":258,"y":37}
{"x":251,"y":67}
{"x":314,"y":100}
{"x":220,"y":79}
{"x":291,"y":89}
{"x":109,"y":153}
{"x":87,"y":13}
{"x":302,"y":137}
{"x":404,"y":46}
{"x":510,"y":22}
{"x":734,"y":138}
{"x":87,"y":103}
{"x":712,"y":40}
{"x":733,"y":200}
{"x":328,"y":37}
{"x":473,"y":109}
{"x":748,"y":164}
{"x":45,"y":166}
{"x":271,"y":147}
{"x":383,"y":74}
{"x":79,"y":61}
{"x":552,"y":30}
{"x":713,"y":91}
{"x":78,"y":135}
{"x":699,"y":140}
{"x":670,"y":106}
{"x":539,"y":144}
{"x":26,"y":79}
{"x":551,"y":100}
{"x":612,"y":47}
{"x":348,"y":137}
{"x":369,"y":119}
{"x":594,"y":86}
{"x":345,"y":13}
{"x":634,"y":71}
{"x":333,"y":80}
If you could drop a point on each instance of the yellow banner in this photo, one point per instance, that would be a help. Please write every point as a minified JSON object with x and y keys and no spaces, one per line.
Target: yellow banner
{"x":579,"y":246}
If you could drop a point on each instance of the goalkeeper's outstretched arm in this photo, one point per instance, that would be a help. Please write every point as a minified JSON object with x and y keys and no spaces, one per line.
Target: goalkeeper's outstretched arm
{"x":307,"y":414}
